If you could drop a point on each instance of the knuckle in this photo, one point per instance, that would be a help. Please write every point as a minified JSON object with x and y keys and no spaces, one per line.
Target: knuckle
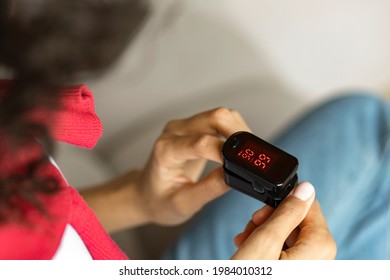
{"x":221,"y":114}
{"x":235,"y":113}
{"x":201,"y":143}
{"x":171,"y":126}
{"x":160,"y":146}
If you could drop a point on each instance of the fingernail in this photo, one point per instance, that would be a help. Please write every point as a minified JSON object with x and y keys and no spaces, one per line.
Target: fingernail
{"x":303,"y":191}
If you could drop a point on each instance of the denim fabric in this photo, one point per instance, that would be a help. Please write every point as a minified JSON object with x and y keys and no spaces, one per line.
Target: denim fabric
{"x":343,"y":148}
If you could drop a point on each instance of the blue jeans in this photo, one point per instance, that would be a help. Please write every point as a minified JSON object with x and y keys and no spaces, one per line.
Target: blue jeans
{"x":344,"y":149}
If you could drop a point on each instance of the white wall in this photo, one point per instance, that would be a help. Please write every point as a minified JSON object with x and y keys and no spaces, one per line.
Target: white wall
{"x":316,"y":46}
{"x":253,"y":55}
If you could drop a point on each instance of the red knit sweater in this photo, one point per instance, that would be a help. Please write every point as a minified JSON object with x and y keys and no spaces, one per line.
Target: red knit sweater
{"x":38,"y":236}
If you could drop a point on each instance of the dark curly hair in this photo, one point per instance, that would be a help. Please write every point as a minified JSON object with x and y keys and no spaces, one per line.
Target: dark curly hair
{"x":46,"y":44}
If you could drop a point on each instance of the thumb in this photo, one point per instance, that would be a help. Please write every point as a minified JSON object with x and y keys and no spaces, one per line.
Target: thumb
{"x":194,"y":197}
{"x":266,"y":241}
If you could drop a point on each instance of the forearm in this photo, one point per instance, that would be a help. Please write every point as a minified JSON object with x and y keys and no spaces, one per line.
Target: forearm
{"x":118,"y":203}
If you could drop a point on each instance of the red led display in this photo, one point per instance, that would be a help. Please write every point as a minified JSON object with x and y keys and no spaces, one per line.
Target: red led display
{"x":256,"y":156}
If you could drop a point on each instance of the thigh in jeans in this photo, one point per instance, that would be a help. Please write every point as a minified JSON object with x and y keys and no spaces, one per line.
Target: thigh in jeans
{"x":343,"y":149}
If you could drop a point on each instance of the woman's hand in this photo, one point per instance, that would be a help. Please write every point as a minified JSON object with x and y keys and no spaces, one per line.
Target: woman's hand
{"x":295,"y":230}
{"x":169,"y":184}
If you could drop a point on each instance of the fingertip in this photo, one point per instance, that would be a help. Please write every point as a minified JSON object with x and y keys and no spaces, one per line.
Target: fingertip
{"x":303,"y":191}
{"x":238,"y":240}
{"x":292,"y":210}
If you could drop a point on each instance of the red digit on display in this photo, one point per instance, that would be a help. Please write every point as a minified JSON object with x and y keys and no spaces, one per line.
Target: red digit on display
{"x":247,"y":154}
{"x":250,"y":153}
{"x":262,"y":161}
{"x":263,"y":157}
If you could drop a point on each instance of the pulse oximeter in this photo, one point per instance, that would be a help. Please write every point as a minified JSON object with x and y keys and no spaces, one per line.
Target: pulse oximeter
{"x":258,"y":169}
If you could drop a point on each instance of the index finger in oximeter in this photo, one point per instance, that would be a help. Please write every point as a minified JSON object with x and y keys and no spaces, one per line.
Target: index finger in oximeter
{"x":258,"y":169}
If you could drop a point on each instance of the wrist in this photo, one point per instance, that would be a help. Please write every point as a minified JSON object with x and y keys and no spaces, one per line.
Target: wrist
{"x":130,"y":188}
{"x":138,"y":196}
{"x":119,"y":203}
